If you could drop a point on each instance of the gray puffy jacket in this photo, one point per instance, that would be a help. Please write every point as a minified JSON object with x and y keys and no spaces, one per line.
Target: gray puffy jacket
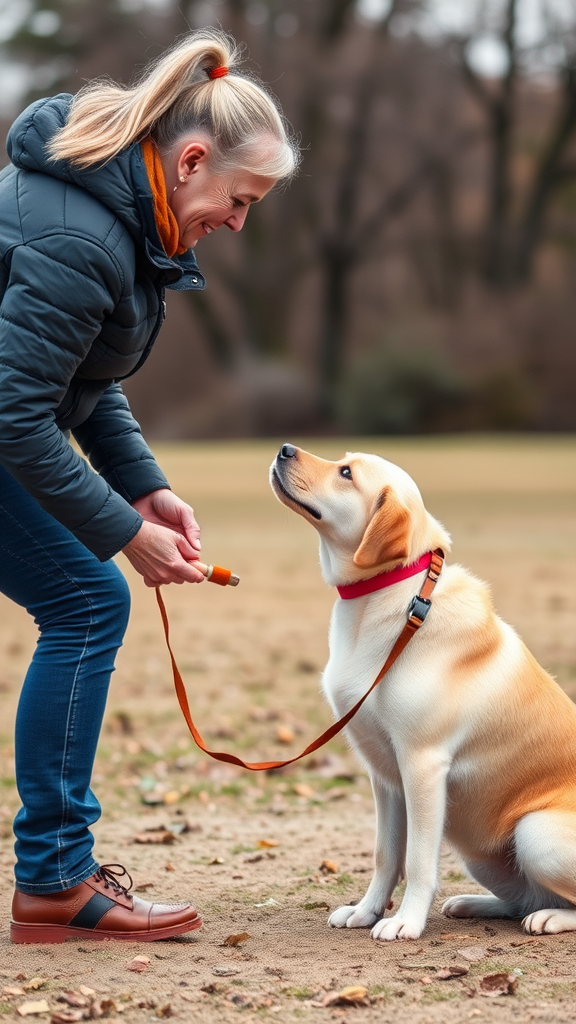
{"x":82,"y":279}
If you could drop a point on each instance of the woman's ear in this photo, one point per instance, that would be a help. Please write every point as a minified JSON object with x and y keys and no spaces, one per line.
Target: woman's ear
{"x":388,"y":534}
{"x":191,"y":156}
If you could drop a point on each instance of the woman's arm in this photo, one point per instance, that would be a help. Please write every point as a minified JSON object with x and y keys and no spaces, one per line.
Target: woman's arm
{"x":60,"y":289}
{"x":112,"y":440}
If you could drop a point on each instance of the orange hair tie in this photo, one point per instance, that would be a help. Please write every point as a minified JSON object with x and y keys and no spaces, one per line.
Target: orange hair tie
{"x":217,"y":72}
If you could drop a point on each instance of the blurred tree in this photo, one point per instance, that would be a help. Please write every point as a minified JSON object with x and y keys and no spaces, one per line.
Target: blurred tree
{"x":515,"y":221}
{"x":356,"y":180}
{"x":439,"y":154}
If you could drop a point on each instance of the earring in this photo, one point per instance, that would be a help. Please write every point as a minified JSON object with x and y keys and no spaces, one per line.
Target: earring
{"x":183,"y":178}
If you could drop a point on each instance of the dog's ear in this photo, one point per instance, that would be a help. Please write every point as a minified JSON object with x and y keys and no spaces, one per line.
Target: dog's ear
{"x":387,"y":536}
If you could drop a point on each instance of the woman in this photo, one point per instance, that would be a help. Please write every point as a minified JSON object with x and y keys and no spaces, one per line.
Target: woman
{"x":106,"y":194}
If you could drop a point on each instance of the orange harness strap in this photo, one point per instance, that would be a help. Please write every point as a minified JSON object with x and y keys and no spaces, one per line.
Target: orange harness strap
{"x":417,"y":612}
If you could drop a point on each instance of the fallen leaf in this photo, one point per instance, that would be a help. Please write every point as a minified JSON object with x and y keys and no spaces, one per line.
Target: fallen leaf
{"x":473,"y":953}
{"x":210,"y":988}
{"x":254,"y":860}
{"x":139,"y":964}
{"x":40,"y":1006}
{"x":303,"y":789}
{"x":165,"y":1011}
{"x":156,"y":835}
{"x":498,"y":985}
{"x":104,"y":1007}
{"x":352,"y":995}
{"x":267,"y":844}
{"x":34,"y":983}
{"x":72,"y":998}
{"x":267,"y":903}
{"x":66,"y":1016}
{"x":329,"y":867}
{"x":169,"y":867}
{"x":236,"y":940}
{"x":524,"y":942}
{"x":426,"y":980}
{"x":85,"y":990}
{"x":454,"y":971}
{"x":224,"y":972}
{"x":12,"y":990}
{"x":318,"y":905}
{"x":169,"y":798}
{"x":143,"y":886}
{"x":216,"y":860}
{"x":285,"y":735}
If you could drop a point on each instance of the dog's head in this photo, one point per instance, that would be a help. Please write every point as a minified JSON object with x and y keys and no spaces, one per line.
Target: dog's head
{"x":369,"y":513}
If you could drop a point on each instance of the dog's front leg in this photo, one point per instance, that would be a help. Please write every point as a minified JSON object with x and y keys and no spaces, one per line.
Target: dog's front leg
{"x":389,"y":855}
{"x":424,"y":776}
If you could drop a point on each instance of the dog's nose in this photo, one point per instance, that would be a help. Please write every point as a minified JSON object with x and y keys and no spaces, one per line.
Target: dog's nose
{"x":287,"y":451}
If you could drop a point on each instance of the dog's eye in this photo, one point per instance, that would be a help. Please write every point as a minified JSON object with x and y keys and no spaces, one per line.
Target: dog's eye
{"x":346,"y":472}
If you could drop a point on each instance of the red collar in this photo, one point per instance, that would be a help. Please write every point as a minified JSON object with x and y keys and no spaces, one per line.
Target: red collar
{"x":384,"y":579}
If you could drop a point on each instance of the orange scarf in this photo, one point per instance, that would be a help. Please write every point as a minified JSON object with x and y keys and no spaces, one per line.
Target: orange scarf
{"x":165,"y":220}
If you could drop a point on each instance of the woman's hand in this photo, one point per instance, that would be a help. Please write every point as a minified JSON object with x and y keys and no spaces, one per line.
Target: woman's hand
{"x":168,"y":542}
{"x":165,"y":509}
{"x":162,"y":556}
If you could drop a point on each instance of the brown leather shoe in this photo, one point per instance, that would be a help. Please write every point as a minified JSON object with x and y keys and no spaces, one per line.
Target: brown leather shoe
{"x":98,"y":908}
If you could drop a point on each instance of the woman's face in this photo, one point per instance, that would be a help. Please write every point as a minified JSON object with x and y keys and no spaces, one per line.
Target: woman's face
{"x":205,"y":201}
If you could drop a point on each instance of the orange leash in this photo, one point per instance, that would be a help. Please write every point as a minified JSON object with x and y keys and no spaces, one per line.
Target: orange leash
{"x":417,"y":612}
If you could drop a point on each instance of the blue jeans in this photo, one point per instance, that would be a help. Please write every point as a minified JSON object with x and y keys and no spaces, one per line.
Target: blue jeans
{"x":81,"y":608}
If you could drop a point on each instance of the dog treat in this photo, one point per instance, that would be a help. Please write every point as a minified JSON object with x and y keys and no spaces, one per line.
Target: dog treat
{"x":216,"y":574}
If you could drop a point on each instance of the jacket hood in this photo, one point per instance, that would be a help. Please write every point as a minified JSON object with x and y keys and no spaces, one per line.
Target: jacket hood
{"x":122,"y":184}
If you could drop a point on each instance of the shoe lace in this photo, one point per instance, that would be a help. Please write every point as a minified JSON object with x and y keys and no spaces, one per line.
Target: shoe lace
{"x":110,"y":877}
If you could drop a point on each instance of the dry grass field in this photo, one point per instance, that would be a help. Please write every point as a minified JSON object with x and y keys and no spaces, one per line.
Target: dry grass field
{"x":250,"y":848}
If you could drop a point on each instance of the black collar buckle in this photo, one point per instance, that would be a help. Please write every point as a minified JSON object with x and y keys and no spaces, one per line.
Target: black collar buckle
{"x":418,"y":609}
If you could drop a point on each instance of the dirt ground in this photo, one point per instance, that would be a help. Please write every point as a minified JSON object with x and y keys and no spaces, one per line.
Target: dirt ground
{"x":266,"y":856}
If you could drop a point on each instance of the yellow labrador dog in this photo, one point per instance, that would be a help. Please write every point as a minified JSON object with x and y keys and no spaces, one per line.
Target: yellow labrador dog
{"x":466,"y":737}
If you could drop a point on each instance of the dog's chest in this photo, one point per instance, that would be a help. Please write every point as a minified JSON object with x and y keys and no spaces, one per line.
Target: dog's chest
{"x":351,"y":669}
{"x":402,"y":706}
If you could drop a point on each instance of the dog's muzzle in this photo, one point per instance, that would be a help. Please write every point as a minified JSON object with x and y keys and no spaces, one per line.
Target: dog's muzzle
{"x":281,"y":464}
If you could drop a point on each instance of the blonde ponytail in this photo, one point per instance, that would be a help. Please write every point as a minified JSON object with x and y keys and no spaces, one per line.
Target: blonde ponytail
{"x":174,"y":97}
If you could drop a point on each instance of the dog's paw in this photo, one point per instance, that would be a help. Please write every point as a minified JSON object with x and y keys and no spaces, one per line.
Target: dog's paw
{"x":550,"y":922}
{"x":352,"y":917}
{"x":459,"y":906}
{"x":396,"y":927}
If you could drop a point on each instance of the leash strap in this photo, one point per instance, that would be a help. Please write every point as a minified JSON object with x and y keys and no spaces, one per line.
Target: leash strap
{"x":417,"y":612}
